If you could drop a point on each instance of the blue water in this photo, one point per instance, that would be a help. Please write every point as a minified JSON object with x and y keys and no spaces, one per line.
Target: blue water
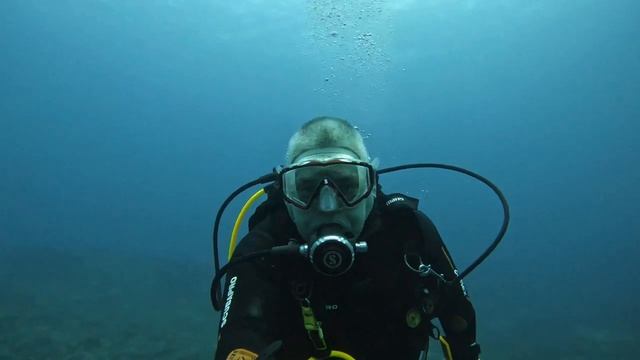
{"x":124,"y":124}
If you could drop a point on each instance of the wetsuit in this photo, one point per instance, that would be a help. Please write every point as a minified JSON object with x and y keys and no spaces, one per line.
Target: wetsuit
{"x":380,"y":309}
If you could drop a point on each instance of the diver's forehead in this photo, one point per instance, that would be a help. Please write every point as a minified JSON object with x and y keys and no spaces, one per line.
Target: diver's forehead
{"x":326,"y":154}
{"x":332,"y":170}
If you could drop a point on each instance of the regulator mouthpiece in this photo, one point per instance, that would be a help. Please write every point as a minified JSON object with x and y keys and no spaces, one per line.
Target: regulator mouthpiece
{"x":332,"y":255}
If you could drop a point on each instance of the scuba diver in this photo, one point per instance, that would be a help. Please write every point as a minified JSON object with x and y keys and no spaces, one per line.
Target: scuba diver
{"x":333,"y":268}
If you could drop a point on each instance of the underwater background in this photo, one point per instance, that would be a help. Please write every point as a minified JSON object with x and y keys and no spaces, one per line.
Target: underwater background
{"x":124,"y":125}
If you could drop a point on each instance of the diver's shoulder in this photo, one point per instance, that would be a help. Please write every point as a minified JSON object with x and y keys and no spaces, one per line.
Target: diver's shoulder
{"x":259,"y":238}
{"x":396,"y":201}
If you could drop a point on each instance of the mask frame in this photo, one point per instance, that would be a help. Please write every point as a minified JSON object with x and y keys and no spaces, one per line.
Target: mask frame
{"x":285,"y":172}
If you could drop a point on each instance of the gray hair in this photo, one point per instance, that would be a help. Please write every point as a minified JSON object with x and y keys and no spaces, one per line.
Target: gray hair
{"x":325,"y":131}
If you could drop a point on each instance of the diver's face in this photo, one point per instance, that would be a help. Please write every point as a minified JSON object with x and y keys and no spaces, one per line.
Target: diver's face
{"x":327,"y":212}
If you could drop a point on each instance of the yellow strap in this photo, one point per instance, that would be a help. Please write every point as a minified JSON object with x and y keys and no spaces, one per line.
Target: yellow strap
{"x":309,"y":320}
{"x":241,"y":215}
{"x":446,"y":349}
{"x":338,"y":355}
{"x":313,"y":327}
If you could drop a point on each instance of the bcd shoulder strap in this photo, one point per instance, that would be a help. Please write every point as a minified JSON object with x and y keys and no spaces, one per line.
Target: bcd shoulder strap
{"x":402,"y":210}
{"x":270,"y":206}
{"x":397,"y":201}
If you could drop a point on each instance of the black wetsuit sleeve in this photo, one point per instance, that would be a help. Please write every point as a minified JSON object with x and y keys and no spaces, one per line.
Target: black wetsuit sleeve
{"x":249,"y":317}
{"x":455,"y":310}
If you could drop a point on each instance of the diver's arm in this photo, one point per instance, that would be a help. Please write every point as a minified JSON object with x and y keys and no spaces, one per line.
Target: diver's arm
{"x":455,"y":311}
{"x":248,"y":323}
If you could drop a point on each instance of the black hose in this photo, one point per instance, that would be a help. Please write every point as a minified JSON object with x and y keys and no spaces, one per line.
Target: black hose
{"x":286,"y":250}
{"x":216,"y":225}
{"x":503,"y":200}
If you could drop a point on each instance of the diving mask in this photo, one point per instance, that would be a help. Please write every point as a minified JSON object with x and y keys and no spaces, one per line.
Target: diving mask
{"x":352,"y":181}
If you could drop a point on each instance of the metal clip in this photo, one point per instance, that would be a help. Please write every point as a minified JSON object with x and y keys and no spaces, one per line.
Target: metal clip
{"x":423,"y":269}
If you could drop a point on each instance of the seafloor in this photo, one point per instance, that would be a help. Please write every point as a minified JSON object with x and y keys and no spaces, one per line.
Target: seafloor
{"x":95,"y":304}
{"x":101,"y":304}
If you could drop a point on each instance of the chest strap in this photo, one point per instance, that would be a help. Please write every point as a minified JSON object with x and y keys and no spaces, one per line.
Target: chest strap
{"x":314,"y":329}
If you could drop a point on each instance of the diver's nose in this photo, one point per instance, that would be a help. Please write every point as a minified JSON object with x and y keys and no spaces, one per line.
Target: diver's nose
{"x":327,"y":200}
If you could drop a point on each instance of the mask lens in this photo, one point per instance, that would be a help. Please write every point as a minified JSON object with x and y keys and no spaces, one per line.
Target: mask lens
{"x":297,"y":187}
{"x":306,"y":183}
{"x":350,"y":181}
